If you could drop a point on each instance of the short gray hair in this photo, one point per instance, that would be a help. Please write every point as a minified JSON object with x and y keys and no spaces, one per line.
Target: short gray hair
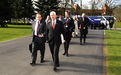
{"x":83,"y":14}
{"x":52,"y":12}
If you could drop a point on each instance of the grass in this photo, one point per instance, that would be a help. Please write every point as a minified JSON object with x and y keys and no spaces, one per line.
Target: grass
{"x":14,"y":31}
{"x":19,"y":22}
{"x":118,"y":25}
{"x":113,"y":44}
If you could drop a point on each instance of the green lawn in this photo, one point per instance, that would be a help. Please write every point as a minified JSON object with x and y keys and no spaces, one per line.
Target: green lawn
{"x":19,"y":22}
{"x":14,"y":31}
{"x":113,"y":44}
{"x":118,"y":25}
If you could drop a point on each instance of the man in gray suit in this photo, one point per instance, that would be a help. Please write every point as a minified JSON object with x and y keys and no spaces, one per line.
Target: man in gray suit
{"x":39,"y":38}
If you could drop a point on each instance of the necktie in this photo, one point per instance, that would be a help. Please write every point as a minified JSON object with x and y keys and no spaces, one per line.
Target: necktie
{"x":66,"y":22}
{"x":53,"y":25}
{"x":80,"y":26}
{"x":37,"y":28}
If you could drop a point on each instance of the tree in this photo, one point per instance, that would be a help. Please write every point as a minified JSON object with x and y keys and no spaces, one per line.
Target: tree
{"x":80,"y":8}
{"x":17,"y":9}
{"x":67,"y":4}
{"x":94,"y":5}
{"x":117,"y":13}
{"x":27,"y":9}
{"x":77,"y":9}
{"x":112,"y":4}
{"x":45,"y":6}
{"x":5,"y":11}
{"x":23,"y":9}
{"x":85,"y":7}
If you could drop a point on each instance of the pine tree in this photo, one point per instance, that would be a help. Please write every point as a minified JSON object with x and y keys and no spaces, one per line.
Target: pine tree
{"x":23,"y":9}
{"x":17,"y":9}
{"x":45,"y":6}
{"x":27,"y":9}
{"x":5,"y":11}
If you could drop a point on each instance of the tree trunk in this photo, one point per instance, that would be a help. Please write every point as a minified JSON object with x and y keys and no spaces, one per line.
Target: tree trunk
{"x":16,"y":21}
{"x":2,"y":25}
{"x":24,"y":20}
{"x":27,"y":20}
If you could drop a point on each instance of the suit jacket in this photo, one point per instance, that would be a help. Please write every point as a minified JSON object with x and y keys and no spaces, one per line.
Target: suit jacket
{"x":62,"y":19}
{"x":41,"y":30}
{"x":85,"y":24}
{"x":69,"y":28}
{"x":70,"y":23}
{"x":54,"y":35}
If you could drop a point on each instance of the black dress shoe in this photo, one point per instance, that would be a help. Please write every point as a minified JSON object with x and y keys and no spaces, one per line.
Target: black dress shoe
{"x":80,"y":43}
{"x":58,"y":65}
{"x":64,"y":53}
{"x":54,"y":68}
{"x":41,"y":61}
{"x":32,"y":64}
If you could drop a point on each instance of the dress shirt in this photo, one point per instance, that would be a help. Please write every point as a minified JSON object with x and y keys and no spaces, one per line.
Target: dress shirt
{"x":36,"y":28}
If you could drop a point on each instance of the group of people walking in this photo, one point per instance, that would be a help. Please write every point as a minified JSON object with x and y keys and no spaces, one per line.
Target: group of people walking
{"x":51,"y":29}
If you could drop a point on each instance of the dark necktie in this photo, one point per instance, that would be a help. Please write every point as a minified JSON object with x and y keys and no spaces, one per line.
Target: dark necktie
{"x":37,"y":28}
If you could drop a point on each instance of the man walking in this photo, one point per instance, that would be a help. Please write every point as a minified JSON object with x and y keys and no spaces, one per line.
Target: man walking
{"x":83,"y":26}
{"x":39,"y":39}
{"x":54,"y":30}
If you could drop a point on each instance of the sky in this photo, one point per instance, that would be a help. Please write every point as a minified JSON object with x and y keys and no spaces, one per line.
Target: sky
{"x":86,"y":2}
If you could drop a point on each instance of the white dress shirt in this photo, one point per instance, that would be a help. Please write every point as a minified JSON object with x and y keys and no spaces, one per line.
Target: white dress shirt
{"x":36,"y":28}
{"x":54,"y":22}
{"x":83,"y":19}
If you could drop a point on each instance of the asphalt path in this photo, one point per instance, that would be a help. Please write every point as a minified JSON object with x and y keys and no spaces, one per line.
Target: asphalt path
{"x":86,"y":59}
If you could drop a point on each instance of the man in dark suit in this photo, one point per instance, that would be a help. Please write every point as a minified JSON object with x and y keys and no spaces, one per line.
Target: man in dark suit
{"x":69,"y":28}
{"x":83,"y":26}
{"x":54,"y":30}
{"x":39,"y":38}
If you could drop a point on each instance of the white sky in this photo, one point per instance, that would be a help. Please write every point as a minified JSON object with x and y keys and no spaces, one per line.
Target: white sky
{"x":86,"y":2}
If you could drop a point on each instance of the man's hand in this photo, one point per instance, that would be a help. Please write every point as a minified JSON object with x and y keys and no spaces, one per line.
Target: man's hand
{"x":84,"y":28}
{"x":41,"y":35}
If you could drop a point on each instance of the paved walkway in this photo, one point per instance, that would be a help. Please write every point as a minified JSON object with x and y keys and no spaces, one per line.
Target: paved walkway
{"x":83,"y":60}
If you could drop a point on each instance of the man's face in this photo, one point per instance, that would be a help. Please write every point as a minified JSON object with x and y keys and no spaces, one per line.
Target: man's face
{"x":53,"y":16}
{"x":60,"y":16}
{"x":38,"y":17}
{"x":76,"y":16}
{"x":66,"y":14}
{"x":83,"y":16}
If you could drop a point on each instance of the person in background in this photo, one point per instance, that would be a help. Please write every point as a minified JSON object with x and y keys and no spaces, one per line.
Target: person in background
{"x":47,"y":19}
{"x":83,"y":26}
{"x":76,"y":32}
{"x":69,"y":28}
